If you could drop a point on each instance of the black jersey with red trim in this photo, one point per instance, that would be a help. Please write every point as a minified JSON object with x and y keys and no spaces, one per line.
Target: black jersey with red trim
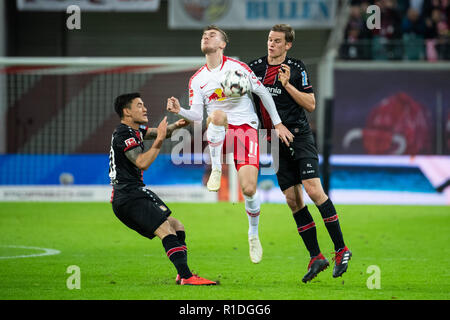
{"x":291,"y":114}
{"x":122,"y":172}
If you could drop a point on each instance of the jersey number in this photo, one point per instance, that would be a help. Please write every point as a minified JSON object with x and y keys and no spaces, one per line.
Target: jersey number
{"x":253,"y":150}
{"x":112,"y":164}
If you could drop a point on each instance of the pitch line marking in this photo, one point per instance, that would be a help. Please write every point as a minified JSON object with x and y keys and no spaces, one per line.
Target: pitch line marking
{"x":47,"y":252}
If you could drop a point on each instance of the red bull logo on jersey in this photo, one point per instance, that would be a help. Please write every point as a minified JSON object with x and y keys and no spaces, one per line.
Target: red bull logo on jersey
{"x":218,"y":95}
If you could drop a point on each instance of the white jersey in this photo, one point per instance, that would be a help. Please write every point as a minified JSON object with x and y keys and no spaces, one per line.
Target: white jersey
{"x":205,"y":91}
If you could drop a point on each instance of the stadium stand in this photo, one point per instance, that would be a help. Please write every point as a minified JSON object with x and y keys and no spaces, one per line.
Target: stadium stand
{"x":410,"y":30}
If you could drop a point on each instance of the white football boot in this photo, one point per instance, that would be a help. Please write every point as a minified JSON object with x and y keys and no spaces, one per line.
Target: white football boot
{"x":214,"y":180}
{"x":256,"y":250}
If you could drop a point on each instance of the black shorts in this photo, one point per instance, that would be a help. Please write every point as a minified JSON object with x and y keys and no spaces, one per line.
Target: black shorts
{"x":144,"y":212}
{"x":297,"y":163}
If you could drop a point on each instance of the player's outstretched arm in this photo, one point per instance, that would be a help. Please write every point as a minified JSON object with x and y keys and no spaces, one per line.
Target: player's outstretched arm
{"x":267,"y":101}
{"x":153,"y":132}
{"x":143,"y":160}
{"x":194,"y":114}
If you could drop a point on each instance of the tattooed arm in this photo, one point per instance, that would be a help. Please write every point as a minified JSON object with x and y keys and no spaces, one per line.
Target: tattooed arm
{"x":143,"y":160}
{"x":153,"y":132}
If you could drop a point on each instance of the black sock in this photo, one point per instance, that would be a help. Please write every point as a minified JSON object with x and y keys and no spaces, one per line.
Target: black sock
{"x":181,"y":235}
{"x":307,"y":230}
{"x":329,"y":215}
{"x":177,"y":254}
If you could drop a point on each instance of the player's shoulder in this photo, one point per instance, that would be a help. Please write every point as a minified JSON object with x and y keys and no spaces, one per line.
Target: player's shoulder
{"x":235,"y":63}
{"x":258,"y":63}
{"x":295,"y":63}
{"x":123,"y":130}
{"x":197,"y":75}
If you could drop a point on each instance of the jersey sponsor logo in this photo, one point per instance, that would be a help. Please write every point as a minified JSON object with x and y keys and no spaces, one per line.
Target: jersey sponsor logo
{"x":274,"y":91}
{"x":218,"y":95}
{"x":130,"y":142}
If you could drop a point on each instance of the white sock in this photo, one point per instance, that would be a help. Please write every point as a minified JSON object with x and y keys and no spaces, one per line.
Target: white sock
{"x":216,"y":136}
{"x":252,"y":207}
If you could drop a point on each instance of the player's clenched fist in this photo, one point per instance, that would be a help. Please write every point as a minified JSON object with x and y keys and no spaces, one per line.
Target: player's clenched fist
{"x":173,"y":105}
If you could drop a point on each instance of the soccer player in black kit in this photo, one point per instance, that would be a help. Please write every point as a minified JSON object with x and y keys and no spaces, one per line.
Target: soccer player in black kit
{"x":287,"y":80}
{"x":136,"y":206}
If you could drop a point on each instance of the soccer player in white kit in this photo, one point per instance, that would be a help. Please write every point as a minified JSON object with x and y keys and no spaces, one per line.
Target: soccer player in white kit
{"x":231,"y":121}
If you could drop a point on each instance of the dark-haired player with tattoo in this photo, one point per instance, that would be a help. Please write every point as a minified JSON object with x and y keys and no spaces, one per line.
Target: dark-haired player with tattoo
{"x":136,"y":206}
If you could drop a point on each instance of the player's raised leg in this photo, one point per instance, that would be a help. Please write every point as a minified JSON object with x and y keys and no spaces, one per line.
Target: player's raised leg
{"x":248,"y":178}
{"x":217,"y":123}
{"x":328,"y":212}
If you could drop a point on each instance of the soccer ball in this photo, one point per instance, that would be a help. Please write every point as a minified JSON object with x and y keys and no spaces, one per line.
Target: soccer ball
{"x":235,"y":83}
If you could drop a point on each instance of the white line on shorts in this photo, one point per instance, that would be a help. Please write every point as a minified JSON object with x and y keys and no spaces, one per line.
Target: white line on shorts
{"x":47,"y":252}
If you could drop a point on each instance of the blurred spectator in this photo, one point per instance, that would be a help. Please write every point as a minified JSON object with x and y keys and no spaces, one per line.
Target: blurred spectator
{"x":443,"y":40}
{"x":431,"y":23}
{"x":417,"y":5}
{"x":436,"y":31}
{"x":403,"y":6}
{"x":412,"y":23}
{"x":413,"y":29}
{"x":430,"y":5}
{"x":385,"y":44}
{"x":355,"y":46}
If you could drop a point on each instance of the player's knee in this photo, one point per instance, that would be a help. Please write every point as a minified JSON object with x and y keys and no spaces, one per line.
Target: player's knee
{"x":315,"y":193}
{"x":218,"y":117}
{"x":175,"y":224}
{"x":293,"y":203}
{"x":164,"y":229}
{"x":179,"y":226}
{"x":249,"y":190}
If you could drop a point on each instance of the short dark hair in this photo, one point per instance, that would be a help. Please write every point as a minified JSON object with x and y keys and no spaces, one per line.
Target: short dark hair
{"x":124,"y":101}
{"x":289,"y":33}
{"x":214,"y":27}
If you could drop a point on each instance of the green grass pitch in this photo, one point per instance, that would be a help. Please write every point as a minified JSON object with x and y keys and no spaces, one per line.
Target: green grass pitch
{"x":409,"y":244}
